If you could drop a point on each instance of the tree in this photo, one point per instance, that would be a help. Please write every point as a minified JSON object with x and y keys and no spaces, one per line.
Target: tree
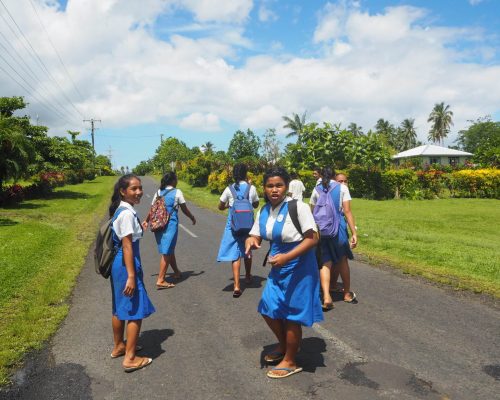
{"x":171,"y":150}
{"x":8,"y":105}
{"x":482,"y":138}
{"x":388,"y":131}
{"x":244,"y":144}
{"x":441,"y":119}
{"x":208,"y":147}
{"x":407,"y":135}
{"x":271,"y":147}
{"x":144,"y":167}
{"x":355,"y":129}
{"x":295,"y":123}
{"x":73,"y":135}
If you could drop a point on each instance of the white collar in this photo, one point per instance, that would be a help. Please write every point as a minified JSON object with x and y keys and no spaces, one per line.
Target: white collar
{"x":278,"y":207}
{"x":124,"y":204}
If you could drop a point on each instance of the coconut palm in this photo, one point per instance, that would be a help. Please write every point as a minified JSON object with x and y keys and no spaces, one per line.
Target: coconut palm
{"x":407,"y":134}
{"x":208,"y":147}
{"x":440,"y":117}
{"x":296,"y":124}
{"x":73,"y":135}
{"x":355,"y":129}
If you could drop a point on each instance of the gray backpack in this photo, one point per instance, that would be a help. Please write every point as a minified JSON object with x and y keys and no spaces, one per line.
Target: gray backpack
{"x":105,"y":247}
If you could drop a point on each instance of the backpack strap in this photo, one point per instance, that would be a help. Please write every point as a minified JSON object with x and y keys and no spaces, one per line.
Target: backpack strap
{"x":335,"y":193}
{"x":246,"y":195}
{"x":113,"y":219}
{"x":294,"y":215}
{"x":233,"y":191}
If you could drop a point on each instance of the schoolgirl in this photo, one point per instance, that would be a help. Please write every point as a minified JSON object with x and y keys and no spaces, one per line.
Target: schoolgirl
{"x":130,"y":300}
{"x":166,"y":239}
{"x":291,"y":296}
{"x":232,"y":248}
{"x":337,"y":250}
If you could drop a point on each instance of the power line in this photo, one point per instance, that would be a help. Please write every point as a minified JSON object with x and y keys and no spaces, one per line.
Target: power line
{"x":40,"y":61}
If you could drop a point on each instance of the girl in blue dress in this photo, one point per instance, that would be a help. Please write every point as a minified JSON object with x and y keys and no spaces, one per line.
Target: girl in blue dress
{"x":166,"y":239}
{"x":337,"y":250}
{"x":291,"y":296}
{"x":130,"y":300}
{"x":232,"y":248}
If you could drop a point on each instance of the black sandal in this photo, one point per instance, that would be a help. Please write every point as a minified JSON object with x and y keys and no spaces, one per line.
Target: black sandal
{"x":236,"y":293}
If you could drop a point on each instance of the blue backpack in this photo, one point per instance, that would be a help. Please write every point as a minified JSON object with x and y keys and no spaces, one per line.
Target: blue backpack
{"x":326,"y":211}
{"x":241,"y":212}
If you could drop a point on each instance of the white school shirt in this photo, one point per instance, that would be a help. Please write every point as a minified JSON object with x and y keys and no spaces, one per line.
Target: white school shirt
{"x":127,"y":223}
{"x":289,"y":233}
{"x":345,"y":195}
{"x":179,"y":197}
{"x":296,"y":188}
{"x":227,"y":196}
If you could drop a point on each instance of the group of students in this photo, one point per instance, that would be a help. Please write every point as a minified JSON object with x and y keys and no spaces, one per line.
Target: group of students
{"x":291,"y":297}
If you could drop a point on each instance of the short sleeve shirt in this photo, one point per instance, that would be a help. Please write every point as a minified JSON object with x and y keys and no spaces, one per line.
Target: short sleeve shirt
{"x":296,"y":188}
{"x":227,"y":196}
{"x":289,"y":233}
{"x":345,"y":195}
{"x":127,"y":223}
{"x":179,"y":197}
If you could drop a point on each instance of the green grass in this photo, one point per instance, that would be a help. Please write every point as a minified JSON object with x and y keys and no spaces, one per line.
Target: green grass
{"x":450,"y":241}
{"x":43,"y":245}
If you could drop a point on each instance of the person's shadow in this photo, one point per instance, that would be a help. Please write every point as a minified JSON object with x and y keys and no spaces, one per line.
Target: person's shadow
{"x":152,"y":340}
{"x":309,"y":356}
{"x":254,"y":284}
{"x":185,"y":275}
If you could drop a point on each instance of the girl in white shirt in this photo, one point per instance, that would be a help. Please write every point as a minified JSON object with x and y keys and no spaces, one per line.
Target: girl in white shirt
{"x":130,"y":300}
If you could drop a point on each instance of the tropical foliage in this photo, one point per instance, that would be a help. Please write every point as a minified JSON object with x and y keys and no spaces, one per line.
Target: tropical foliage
{"x":295,"y":123}
{"x":482,"y":138}
{"x":441,"y":120}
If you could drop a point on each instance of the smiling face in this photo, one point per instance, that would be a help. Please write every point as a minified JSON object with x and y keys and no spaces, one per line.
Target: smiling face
{"x":133,"y":193}
{"x":276,"y":189}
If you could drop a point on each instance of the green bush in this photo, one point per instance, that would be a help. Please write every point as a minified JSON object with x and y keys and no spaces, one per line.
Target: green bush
{"x":400,"y":183}
{"x":484,"y":183}
{"x":218,"y":180}
{"x":366,"y":182}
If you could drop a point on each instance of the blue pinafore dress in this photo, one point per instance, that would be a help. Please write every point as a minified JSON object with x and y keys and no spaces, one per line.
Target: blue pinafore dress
{"x":138,"y":306}
{"x":232,"y":247}
{"x":292,"y":291}
{"x":167,"y":239}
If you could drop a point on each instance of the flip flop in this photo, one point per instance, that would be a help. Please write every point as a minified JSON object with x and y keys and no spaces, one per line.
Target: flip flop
{"x":273,"y":357}
{"x":353,"y":298}
{"x":137,"y":348}
{"x":236,"y":293}
{"x":327,"y":306}
{"x":165,"y":286}
{"x":290,"y":371}
{"x":144,"y":363}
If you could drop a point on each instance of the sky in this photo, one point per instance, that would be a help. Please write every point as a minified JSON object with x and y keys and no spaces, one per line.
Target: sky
{"x":199,"y":70}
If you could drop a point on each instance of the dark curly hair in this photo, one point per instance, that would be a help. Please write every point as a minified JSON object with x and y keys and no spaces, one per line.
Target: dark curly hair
{"x":239,"y":174}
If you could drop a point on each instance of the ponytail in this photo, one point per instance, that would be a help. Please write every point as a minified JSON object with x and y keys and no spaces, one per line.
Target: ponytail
{"x":168,"y":180}
{"x":239,"y":174}
{"x":121,"y":184}
{"x":326,"y":176}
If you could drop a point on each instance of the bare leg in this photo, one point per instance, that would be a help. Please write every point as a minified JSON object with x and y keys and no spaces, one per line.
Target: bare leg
{"x":118,"y":331}
{"x":164,"y":261}
{"x":173,"y":262}
{"x":133,"y":329}
{"x":335,"y":278}
{"x":293,"y":333}
{"x":248,"y":269}
{"x":278,"y":328}
{"x":236,"y":274}
{"x":343,"y":267}
{"x":324,"y":276}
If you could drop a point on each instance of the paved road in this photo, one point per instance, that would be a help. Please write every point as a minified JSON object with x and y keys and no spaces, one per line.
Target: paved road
{"x":405,"y":339}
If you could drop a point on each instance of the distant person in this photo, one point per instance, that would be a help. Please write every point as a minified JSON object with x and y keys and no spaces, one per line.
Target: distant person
{"x":296,"y":187}
{"x":291,"y":296}
{"x":232,"y":246}
{"x":130,"y":300}
{"x":166,"y":239}
{"x":317,"y":174}
{"x":337,"y":249}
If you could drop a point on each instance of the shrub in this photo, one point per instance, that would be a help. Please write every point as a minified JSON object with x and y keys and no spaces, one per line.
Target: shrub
{"x":400,"y":183}
{"x":366,"y":182}
{"x":431,"y":182}
{"x":12,"y":194}
{"x":476,"y":183}
{"x":218,"y":180}
{"x":258,"y":181}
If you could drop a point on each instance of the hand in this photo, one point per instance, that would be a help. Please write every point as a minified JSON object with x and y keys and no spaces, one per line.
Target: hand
{"x":145,"y":225}
{"x":278,"y":260}
{"x":129,"y":287}
{"x":193,"y":220}
{"x":354,"y":241}
{"x":251,"y":243}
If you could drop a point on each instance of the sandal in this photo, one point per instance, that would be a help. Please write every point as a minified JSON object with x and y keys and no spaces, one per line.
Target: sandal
{"x":327,"y":306}
{"x":144,"y":363}
{"x":288,"y":372}
{"x":166,"y":285}
{"x":121,"y":354}
{"x":353,"y":298}
{"x":236,"y":293}
{"x":274,"y":357}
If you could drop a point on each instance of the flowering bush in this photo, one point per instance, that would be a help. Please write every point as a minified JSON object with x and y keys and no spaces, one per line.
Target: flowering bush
{"x":12,"y":194}
{"x":400,"y":183}
{"x":476,"y":183}
{"x":218,"y":180}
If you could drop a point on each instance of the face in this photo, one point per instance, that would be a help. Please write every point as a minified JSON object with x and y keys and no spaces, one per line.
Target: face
{"x":275,"y":189}
{"x":316,"y":174}
{"x":133,"y":193}
{"x":341,"y":178}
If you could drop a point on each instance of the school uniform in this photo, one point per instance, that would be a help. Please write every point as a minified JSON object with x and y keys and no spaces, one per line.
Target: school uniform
{"x":292,"y":291}
{"x":334,"y":249}
{"x":233,"y":247}
{"x":139,"y":306}
{"x":296,"y":188}
{"x":166,"y":239}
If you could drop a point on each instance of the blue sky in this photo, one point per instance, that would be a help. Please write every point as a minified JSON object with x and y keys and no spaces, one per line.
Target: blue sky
{"x":201,"y":69}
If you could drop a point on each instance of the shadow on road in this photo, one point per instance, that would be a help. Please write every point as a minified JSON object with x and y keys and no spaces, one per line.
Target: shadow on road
{"x":185,"y":275}
{"x":152,"y":341}
{"x":255,"y":284}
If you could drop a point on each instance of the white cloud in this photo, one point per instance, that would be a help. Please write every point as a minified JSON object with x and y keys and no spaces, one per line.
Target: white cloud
{"x":474,"y":2}
{"x":202,"y":122}
{"x":388,"y":65}
{"x":266,"y":14}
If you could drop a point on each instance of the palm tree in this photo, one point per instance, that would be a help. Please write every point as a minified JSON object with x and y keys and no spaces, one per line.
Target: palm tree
{"x":407,"y":134}
{"x":73,"y":135}
{"x":208,"y":147}
{"x":296,"y":124}
{"x":440,"y":117}
{"x":355,"y":129}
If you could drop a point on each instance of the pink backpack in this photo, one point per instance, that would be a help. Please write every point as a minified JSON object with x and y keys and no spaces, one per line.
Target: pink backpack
{"x":158,"y":214}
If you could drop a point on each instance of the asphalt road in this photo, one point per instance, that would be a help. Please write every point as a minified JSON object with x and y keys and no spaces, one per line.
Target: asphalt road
{"x":405,"y":339}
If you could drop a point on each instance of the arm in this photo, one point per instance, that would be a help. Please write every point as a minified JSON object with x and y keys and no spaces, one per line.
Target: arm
{"x":346,"y":205}
{"x":252,"y":242}
{"x":310,"y":240}
{"x":128,"y":258}
{"x":222,"y":205}
{"x":187,"y":213}
{"x":255,"y":204}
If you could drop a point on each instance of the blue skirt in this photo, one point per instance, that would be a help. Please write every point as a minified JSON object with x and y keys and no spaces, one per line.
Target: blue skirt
{"x":292,"y":292}
{"x":231,"y":247}
{"x":138,"y":306}
{"x":166,"y":240}
{"x":334,"y":249}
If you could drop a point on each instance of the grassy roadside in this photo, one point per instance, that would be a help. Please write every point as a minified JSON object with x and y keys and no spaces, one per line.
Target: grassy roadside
{"x":450,"y":241}
{"x":43,"y":245}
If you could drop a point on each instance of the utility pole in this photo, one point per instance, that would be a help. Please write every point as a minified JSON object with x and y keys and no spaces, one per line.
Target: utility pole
{"x":110,"y":153}
{"x":161,"y":138}
{"x":92,"y":128}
